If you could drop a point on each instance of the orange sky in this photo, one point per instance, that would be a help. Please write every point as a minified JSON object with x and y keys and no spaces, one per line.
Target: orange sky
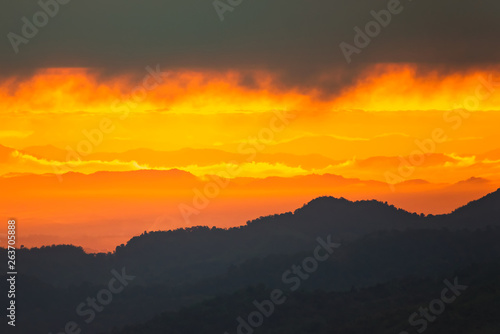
{"x":280,"y":147}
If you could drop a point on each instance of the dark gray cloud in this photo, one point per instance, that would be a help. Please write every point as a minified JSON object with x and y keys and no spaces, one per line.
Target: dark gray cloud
{"x":299,"y":39}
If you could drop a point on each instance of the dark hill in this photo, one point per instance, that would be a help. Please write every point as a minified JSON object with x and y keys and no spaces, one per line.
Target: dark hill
{"x":380,"y":243}
{"x":185,"y":255}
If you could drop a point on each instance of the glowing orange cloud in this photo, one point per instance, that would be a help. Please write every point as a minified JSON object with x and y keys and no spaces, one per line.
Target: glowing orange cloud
{"x":402,"y":87}
{"x":387,"y":87}
{"x":76,"y":90}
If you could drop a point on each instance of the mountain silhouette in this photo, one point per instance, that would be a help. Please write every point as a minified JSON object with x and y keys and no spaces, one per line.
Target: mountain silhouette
{"x":380,"y":244}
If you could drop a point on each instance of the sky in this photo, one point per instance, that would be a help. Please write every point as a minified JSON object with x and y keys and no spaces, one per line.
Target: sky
{"x":118,"y":117}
